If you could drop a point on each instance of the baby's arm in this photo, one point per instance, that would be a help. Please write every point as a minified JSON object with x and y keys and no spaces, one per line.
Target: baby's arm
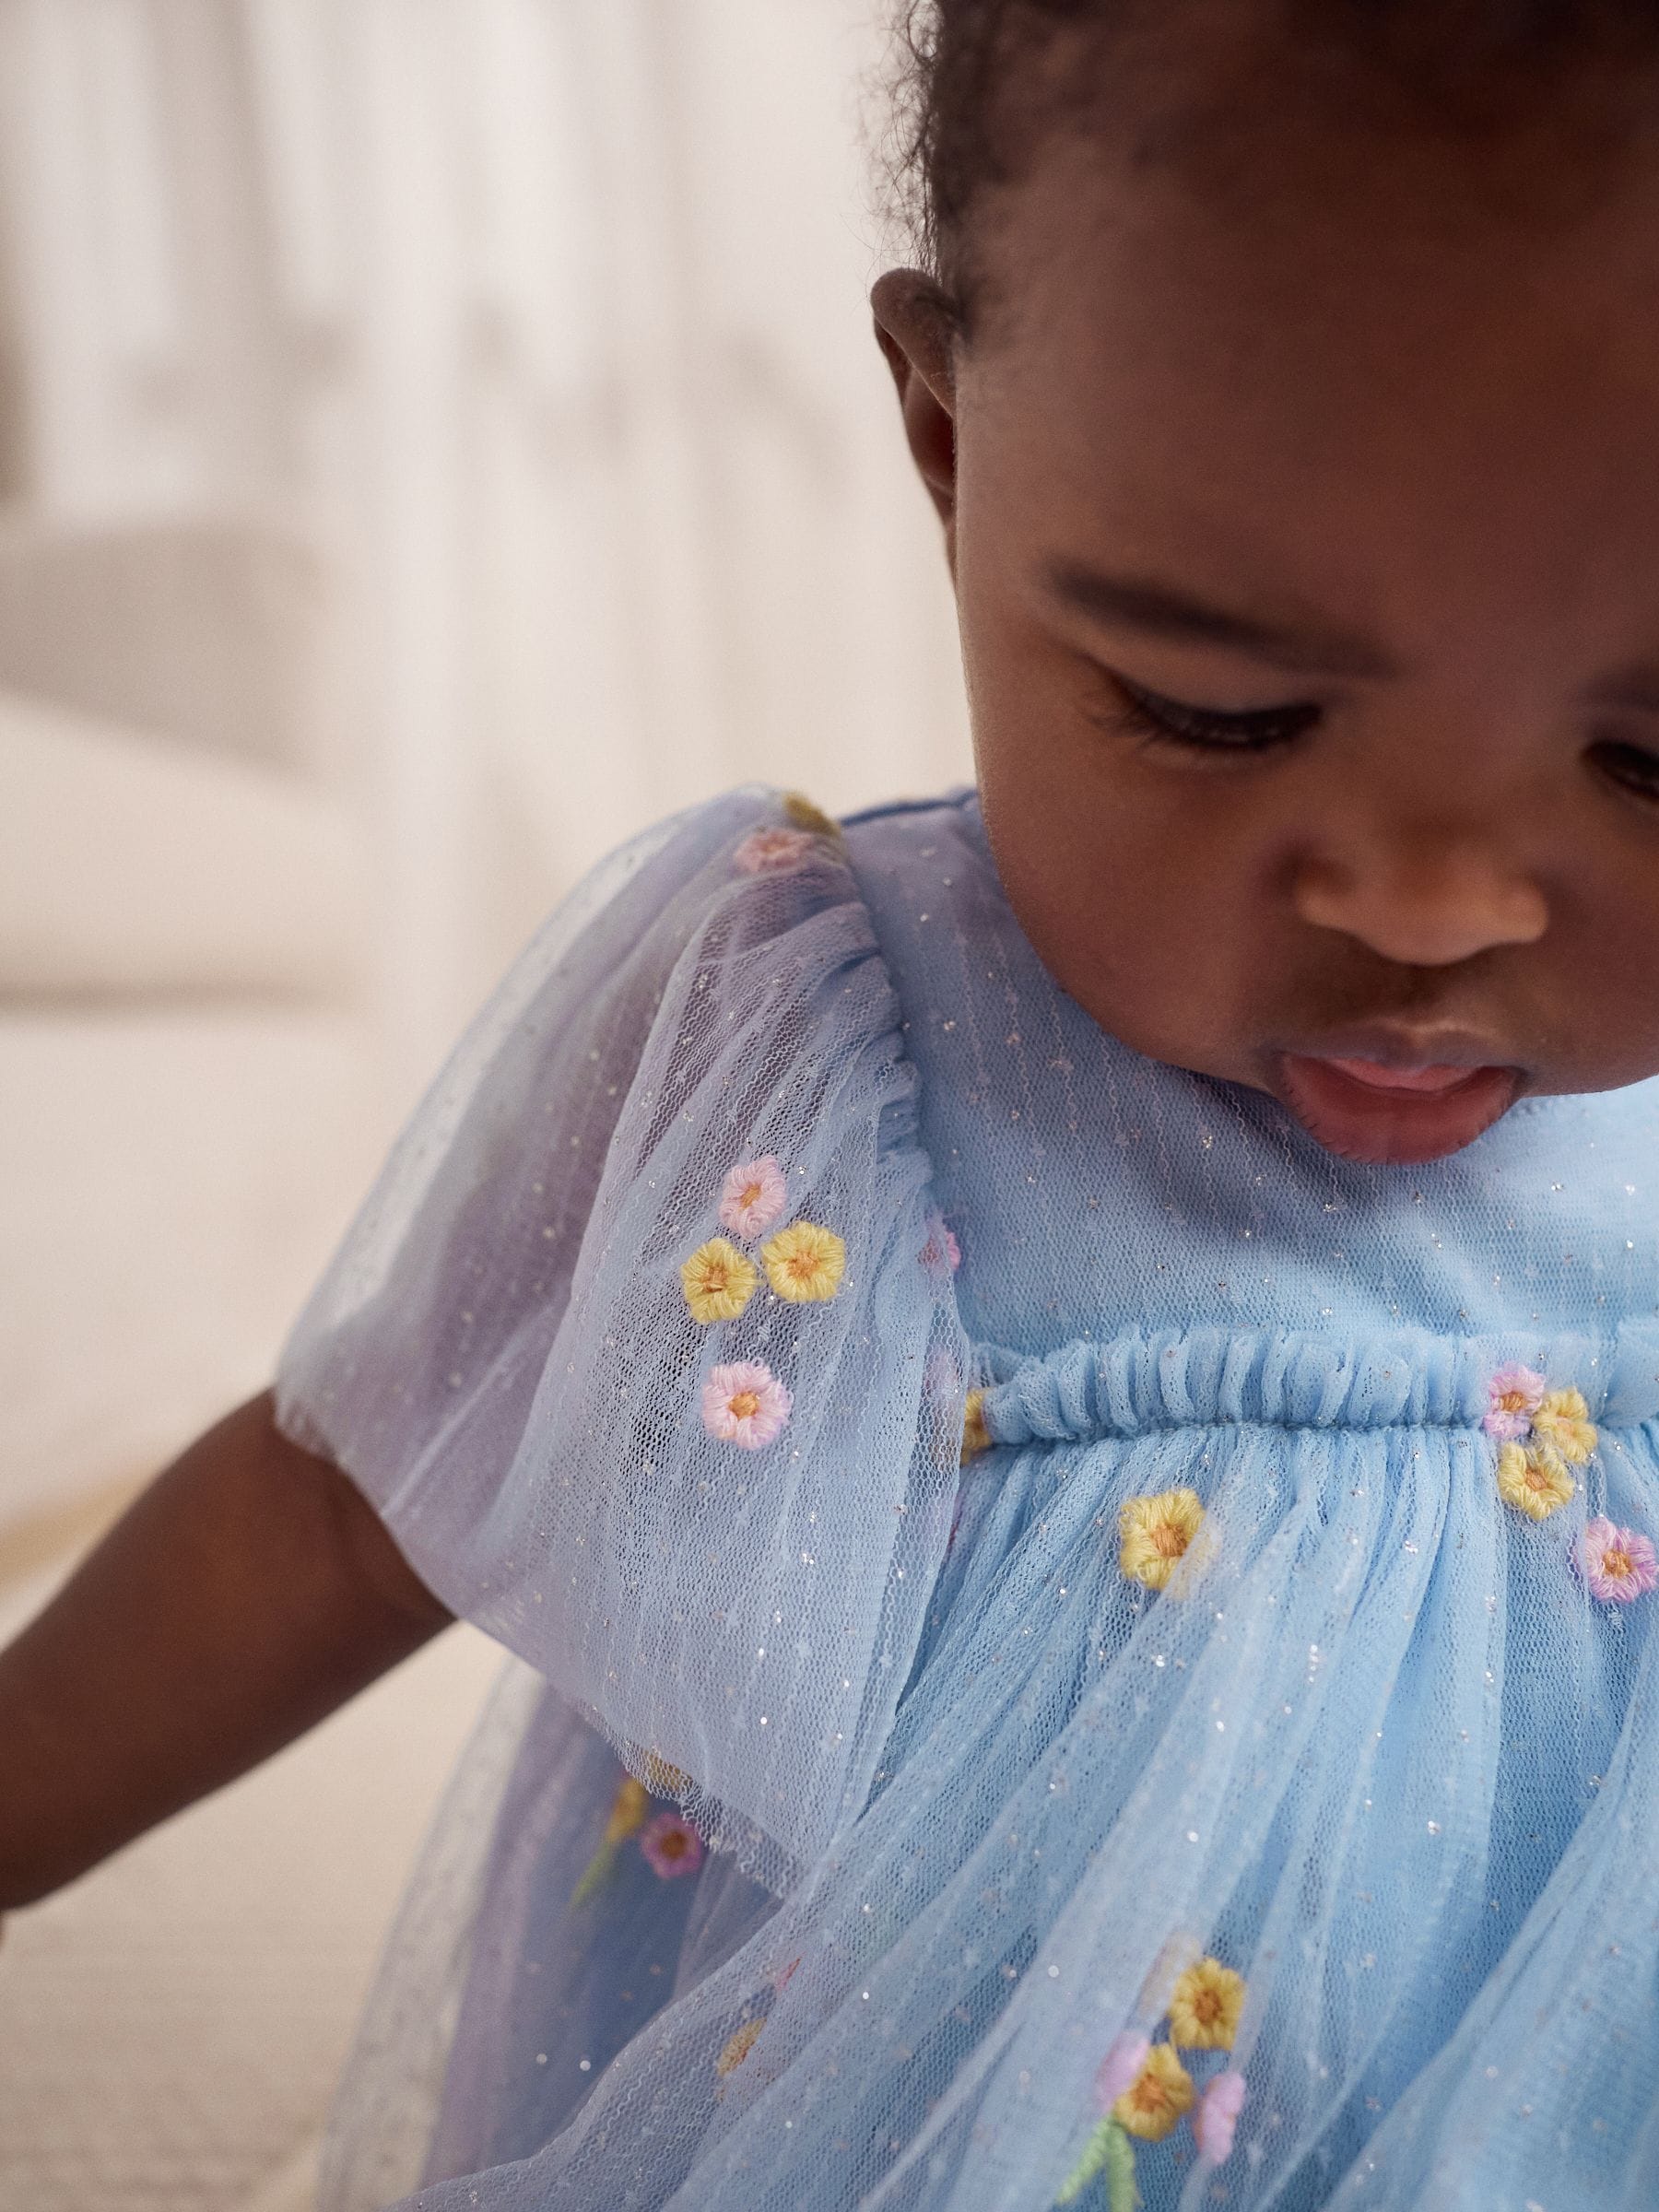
{"x":250,"y":1591}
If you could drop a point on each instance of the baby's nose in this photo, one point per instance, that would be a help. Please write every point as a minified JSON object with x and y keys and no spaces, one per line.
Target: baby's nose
{"x":1425,"y":904}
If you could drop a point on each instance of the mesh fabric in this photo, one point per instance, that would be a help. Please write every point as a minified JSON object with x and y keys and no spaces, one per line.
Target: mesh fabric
{"x":1376,"y":1744}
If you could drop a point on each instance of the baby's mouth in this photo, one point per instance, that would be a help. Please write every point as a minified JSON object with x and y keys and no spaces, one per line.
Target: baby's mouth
{"x":1394,"y":1116}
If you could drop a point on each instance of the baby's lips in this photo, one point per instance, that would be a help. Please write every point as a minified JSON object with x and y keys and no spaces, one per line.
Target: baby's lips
{"x":1394,"y":1116}
{"x":1423,"y":1082}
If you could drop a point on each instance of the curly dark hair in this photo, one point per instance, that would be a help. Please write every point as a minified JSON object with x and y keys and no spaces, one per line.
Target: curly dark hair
{"x":955,"y":56}
{"x":967,"y":102}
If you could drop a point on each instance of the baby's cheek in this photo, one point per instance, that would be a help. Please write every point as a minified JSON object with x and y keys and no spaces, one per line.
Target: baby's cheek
{"x":1154,"y":933}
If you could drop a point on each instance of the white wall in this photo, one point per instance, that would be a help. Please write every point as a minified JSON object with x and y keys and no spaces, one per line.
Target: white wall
{"x":548,"y":316}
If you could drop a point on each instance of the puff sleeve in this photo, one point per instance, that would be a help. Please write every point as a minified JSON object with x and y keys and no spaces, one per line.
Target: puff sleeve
{"x":683,"y":1438}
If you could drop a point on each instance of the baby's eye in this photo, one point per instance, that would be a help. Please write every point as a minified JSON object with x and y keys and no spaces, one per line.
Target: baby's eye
{"x":1208,"y":729}
{"x":1631,"y":766}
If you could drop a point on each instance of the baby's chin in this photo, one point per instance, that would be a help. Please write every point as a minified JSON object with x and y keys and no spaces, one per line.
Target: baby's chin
{"x":1383,"y":1124}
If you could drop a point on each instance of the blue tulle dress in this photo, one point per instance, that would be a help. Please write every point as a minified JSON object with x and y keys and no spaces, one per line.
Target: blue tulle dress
{"x":1046,"y":1605}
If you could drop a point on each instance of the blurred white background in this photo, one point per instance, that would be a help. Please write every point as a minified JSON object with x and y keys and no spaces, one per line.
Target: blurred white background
{"x":436,"y":438}
{"x":441,"y":436}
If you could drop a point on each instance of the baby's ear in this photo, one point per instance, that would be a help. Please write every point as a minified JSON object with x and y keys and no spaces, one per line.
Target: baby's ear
{"x":915,"y":329}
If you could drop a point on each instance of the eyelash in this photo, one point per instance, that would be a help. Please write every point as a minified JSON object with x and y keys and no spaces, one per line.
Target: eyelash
{"x":1630,"y":766}
{"x":1131,"y":706}
{"x":1202,"y":729}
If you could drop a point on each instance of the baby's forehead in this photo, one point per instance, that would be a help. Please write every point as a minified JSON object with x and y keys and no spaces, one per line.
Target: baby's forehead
{"x":1280,"y":117}
{"x":1295,"y":224}
{"x":1420,"y":418}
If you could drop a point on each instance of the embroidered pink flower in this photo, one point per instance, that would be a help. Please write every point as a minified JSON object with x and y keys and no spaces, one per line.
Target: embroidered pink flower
{"x":1216,"y":2119}
{"x":745,"y":1404}
{"x":941,"y":1253}
{"x":672,"y":1846}
{"x":1617,"y":1563}
{"x":1121,"y":2068}
{"x":1513,"y":1395}
{"x":772,"y":852}
{"x":753,"y":1196}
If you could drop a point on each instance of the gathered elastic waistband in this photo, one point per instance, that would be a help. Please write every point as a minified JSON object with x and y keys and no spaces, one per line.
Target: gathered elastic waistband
{"x":1292,"y":1379}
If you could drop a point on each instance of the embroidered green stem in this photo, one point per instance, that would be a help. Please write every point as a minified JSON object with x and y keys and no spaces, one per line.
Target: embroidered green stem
{"x":629,"y":1808}
{"x":1109,"y":2152}
{"x":594,"y":1874}
{"x":1120,"y":2191}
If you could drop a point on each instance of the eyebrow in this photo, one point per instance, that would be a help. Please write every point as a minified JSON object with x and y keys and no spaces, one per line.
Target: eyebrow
{"x":1159,"y":610}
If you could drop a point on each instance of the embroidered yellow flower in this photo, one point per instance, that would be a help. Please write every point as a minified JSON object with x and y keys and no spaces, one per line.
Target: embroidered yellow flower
{"x":800,"y":814}
{"x":804,"y":1263}
{"x":628,"y":1812}
{"x":737,"y":2047}
{"x":976,"y":1437}
{"x":1154,"y":1534}
{"x":1563,"y":1420}
{"x":718,"y":1281}
{"x":664,"y":1780}
{"x":1534,"y":1479}
{"x":1204,"y":2011}
{"x":1152,"y":2106}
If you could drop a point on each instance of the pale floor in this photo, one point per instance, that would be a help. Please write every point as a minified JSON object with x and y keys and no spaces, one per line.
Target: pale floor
{"x":172,"y":2026}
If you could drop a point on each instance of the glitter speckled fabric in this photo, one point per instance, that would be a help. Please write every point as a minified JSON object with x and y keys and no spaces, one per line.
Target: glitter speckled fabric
{"x":974,"y":1793}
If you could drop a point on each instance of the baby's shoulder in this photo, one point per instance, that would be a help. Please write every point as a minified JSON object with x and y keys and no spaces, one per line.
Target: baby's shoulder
{"x":926,"y":876}
{"x":890,"y":845}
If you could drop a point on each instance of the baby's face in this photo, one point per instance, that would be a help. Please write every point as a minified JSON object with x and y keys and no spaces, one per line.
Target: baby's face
{"x":1361,"y":503}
